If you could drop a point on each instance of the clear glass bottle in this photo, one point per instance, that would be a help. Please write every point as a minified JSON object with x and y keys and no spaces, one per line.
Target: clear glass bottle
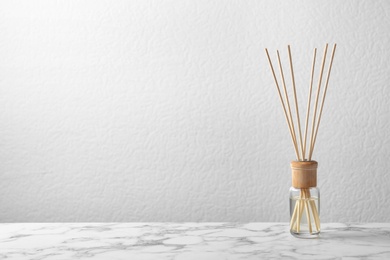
{"x":304,"y":200}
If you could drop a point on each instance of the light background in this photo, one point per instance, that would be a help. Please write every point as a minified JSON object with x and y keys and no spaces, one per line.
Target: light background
{"x":167,"y":110}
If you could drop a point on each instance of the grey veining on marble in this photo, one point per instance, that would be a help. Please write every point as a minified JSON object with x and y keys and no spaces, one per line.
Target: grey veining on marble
{"x":179,"y":241}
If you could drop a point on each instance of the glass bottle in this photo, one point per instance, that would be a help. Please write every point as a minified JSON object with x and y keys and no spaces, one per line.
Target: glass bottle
{"x":304,"y":200}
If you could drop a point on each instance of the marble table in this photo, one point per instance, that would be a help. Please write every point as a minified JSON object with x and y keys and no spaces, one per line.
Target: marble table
{"x":200,"y":241}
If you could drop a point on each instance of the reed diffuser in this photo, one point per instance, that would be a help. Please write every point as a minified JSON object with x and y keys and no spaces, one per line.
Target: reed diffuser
{"x":304,"y":194}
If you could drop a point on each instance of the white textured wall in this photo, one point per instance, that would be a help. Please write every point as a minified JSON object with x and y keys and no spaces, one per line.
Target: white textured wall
{"x":167,"y":111}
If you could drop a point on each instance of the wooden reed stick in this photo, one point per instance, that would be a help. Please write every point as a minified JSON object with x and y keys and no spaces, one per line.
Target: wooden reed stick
{"x":299,"y":215}
{"x":323,"y":98}
{"x":299,"y":212}
{"x":316,"y":102}
{"x":281,"y":100}
{"x":301,"y":208}
{"x":287,"y":100}
{"x":295,"y":97}
{"x":307,"y":196}
{"x":315,"y":215}
{"x":309,"y":101}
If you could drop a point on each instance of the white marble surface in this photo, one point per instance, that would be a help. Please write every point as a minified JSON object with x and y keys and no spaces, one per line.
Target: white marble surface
{"x":201,"y":241}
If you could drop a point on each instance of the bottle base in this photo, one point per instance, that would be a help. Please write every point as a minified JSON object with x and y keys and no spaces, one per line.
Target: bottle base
{"x":305,"y":235}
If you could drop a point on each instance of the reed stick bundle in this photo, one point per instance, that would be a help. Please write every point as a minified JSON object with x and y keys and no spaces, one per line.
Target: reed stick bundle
{"x":305,"y":204}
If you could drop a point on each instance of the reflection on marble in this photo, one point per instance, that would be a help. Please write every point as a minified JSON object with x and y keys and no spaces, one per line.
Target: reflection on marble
{"x":200,"y":241}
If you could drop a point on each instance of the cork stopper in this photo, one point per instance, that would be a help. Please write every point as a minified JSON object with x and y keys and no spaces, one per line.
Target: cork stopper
{"x":304,"y":174}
